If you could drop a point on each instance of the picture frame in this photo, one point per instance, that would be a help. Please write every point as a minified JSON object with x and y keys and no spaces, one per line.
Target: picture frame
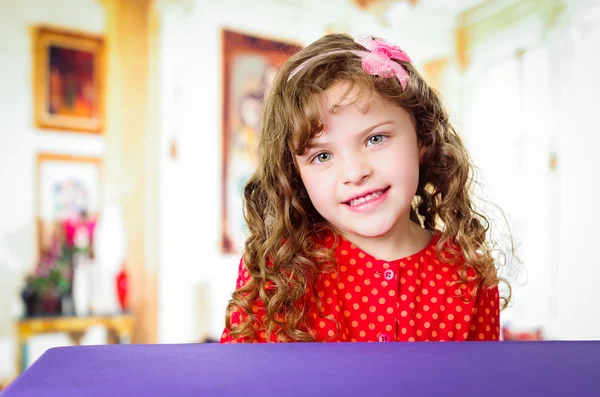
{"x":66,"y":187}
{"x":69,"y":80}
{"x":249,"y":65}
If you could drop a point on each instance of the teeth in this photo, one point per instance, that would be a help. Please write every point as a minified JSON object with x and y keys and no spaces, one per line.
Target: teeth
{"x":368,"y":197}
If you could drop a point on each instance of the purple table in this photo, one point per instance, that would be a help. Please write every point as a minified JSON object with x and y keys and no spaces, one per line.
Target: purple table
{"x":503,"y":369}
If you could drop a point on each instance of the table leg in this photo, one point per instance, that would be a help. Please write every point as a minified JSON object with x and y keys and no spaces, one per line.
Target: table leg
{"x":22,"y":358}
{"x":112,"y":337}
{"x":76,"y":337}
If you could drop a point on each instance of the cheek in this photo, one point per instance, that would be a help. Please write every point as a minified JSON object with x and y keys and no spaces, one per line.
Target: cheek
{"x":401,"y":166}
{"x":320,"y":188}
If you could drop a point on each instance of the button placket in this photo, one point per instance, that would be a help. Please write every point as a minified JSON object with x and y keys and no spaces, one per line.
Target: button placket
{"x":398,"y":288}
{"x":386,"y":277}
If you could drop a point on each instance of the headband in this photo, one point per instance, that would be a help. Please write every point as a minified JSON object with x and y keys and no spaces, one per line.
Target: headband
{"x":376,"y":62}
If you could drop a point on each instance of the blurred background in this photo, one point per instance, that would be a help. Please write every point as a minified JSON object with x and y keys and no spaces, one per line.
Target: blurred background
{"x":128,"y":128}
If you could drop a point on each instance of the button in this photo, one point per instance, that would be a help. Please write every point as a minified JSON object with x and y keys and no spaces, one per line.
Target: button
{"x":388,"y":274}
{"x":384,"y":338}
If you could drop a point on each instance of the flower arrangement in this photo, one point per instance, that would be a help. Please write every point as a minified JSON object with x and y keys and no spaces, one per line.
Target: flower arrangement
{"x":47,"y":287}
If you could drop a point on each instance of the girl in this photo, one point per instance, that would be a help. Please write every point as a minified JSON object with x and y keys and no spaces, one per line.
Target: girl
{"x":361,"y":223}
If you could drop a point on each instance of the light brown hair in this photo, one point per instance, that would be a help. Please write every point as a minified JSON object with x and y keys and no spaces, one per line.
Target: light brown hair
{"x":278,"y":209}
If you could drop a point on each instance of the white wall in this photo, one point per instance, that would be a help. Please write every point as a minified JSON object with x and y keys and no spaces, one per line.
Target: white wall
{"x":579,"y":139}
{"x":515,"y":115}
{"x":20,"y":140}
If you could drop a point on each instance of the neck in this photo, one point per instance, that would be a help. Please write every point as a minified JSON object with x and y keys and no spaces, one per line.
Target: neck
{"x":405,"y":239}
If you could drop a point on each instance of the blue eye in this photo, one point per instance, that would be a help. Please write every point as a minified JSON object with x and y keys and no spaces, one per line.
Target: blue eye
{"x":376,"y":140}
{"x":322,"y":157}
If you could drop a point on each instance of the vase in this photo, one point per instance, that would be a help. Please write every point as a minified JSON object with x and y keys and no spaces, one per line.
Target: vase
{"x":51,"y":302}
{"x":109,"y":254}
{"x":81,"y":288}
{"x":31,"y":301}
{"x":122,"y":288}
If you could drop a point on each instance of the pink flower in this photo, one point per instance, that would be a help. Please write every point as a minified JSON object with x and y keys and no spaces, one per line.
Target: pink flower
{"x":381,"y":46}
{"x":378,"y":62}
{"x":379,"y":65}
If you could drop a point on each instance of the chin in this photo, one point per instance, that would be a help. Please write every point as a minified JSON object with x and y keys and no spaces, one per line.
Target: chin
{"x":371,"y":231}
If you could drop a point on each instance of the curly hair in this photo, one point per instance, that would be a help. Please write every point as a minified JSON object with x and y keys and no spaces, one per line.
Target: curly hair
{"x":281,"y":255}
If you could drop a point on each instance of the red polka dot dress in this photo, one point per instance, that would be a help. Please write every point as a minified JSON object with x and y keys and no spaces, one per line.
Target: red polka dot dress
{"x":409,"y":299}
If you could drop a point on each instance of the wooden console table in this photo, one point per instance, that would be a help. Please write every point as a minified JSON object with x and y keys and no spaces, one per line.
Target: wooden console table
{"x":119,"y":329}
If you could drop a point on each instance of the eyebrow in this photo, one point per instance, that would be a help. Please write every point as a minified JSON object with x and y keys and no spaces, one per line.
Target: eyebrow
{"x":312,"y":145}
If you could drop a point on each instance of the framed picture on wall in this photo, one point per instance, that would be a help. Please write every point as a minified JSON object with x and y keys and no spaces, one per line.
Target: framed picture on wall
{"x":249,"y":66}
{"x":68,"y":80}
{"x":68,"y":191}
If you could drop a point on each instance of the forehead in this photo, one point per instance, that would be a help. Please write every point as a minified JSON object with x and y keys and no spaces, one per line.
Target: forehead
{"x":343,"y":107}
{"x":352,"y":108}
{"x":353,"y":103}
{"x":341,"y":96}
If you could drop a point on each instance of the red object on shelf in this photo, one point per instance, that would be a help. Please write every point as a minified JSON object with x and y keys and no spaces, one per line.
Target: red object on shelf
{"x":122,"y":287}
{"x":529,"y":335}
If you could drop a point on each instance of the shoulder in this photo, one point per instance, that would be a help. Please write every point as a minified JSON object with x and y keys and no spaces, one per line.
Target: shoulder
{"x":243,"y":274}
{"x":449,"y":260}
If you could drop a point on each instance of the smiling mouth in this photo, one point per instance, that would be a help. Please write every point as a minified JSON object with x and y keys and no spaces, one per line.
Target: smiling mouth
{"x":364,"y":199}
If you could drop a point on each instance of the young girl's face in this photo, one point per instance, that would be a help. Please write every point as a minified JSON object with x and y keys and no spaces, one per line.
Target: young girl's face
{"x":361,"y":173}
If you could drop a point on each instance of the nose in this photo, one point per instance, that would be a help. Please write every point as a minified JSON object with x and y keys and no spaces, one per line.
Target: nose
{"x":355,"y":169}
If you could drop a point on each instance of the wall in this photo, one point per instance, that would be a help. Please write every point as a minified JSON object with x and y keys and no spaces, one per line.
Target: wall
{"x":528,"y":97}
{"x":20,"y":140}
{"x":578,"y":275}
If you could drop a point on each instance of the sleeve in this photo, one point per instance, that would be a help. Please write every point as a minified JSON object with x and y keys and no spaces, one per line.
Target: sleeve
{"x":485,"y":323}
{"x":236,"y":316}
